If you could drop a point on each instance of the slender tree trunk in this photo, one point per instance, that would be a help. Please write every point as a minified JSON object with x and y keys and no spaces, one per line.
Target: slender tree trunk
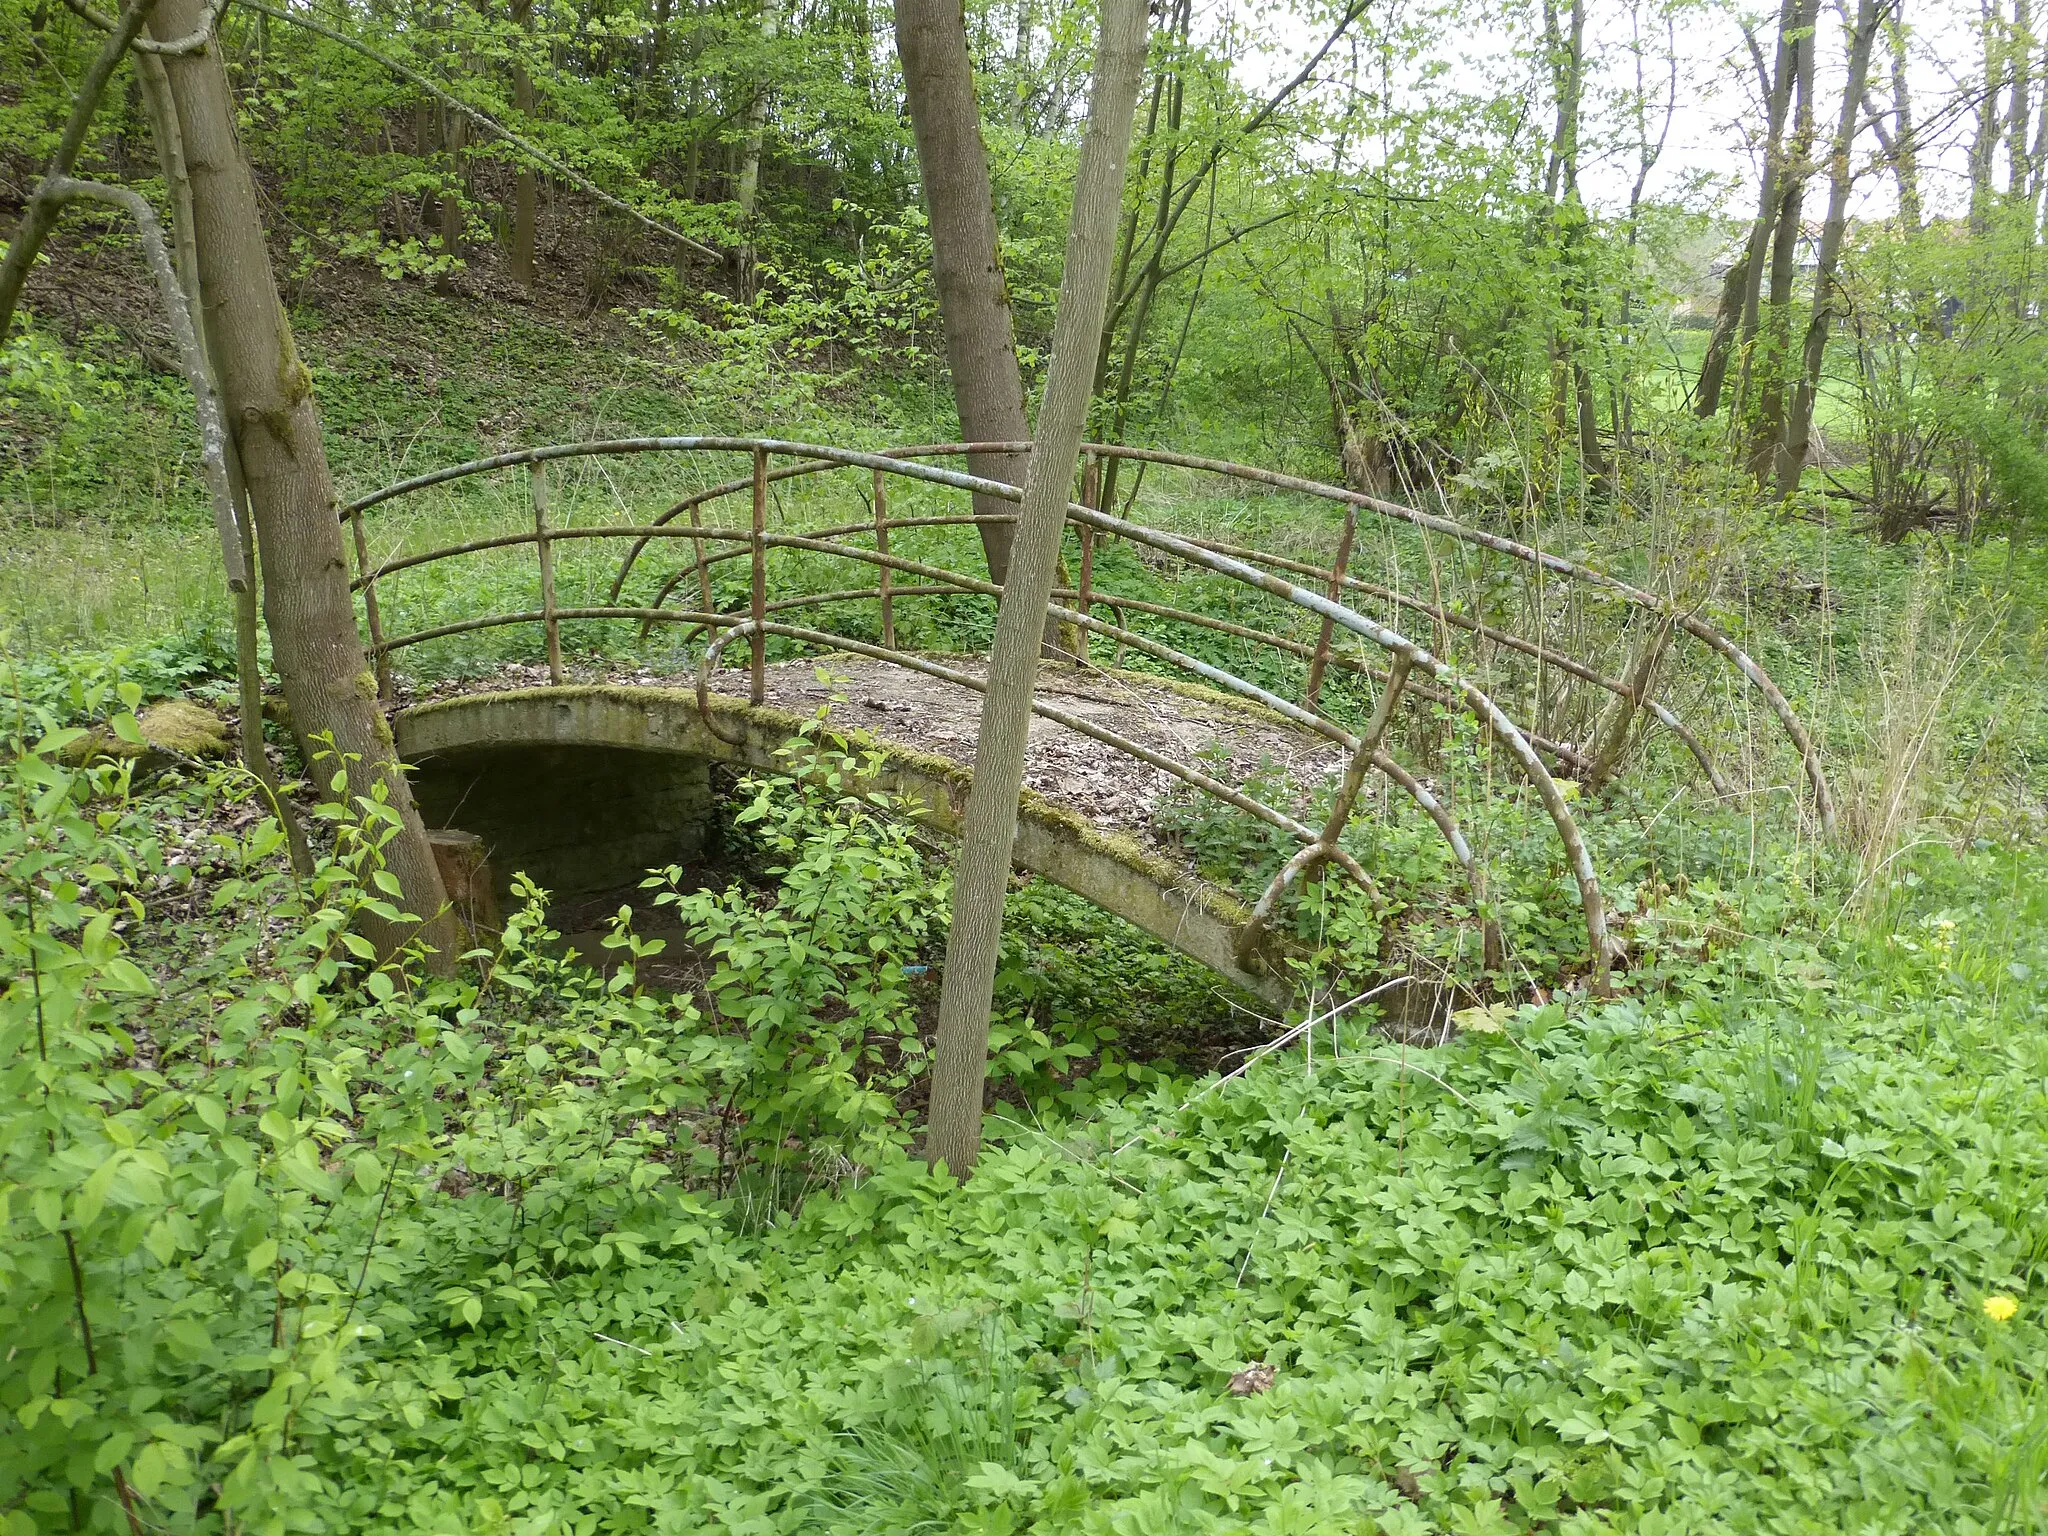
{"x":525,"y":186}
{"x":1572,"y":381}
{"x":1706,"y":400}
{"x":454,"y":136}
{"x":960,"y":1065}
{"x":967,"y":263}
{"x":2037,"y":156}
{"x":2020,"y":114}
{"x":1826,"y":293}
{"x":268,"y":397}
{"x":750,"y":155}
{"x":170,"y":152}
{"x":1164,"y":218}
{"x":1984,"y":144}
{"x":1736,"y":322}
{"x":1905,"y":154}
{"x":1769,"y":427}
{"x":1647,"y":156}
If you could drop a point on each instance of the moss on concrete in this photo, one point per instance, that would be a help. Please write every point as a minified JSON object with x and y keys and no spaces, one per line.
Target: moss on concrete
{"x":1111,"y":868}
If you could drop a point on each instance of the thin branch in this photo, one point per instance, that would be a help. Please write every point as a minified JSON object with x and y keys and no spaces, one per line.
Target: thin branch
{"x":1230,"y":239}
{"x":206,"y":404}
{"x":40,"y":216}
{"x":1179,"y":200}
{"x":191,"y":42}
{"x":490,"y":125}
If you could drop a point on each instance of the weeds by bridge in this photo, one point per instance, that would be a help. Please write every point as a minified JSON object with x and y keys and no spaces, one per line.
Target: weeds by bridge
{"x":1561,"y":669}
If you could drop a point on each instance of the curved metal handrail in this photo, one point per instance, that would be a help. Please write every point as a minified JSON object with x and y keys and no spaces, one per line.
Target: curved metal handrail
{"x":1256,"y":569}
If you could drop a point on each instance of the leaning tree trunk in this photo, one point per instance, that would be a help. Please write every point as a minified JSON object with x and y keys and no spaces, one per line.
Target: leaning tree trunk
{"x":268,"y":397}
{"x":967,"y":264}
{"x":1737,"y":316}
{"x":960,"y":1065}
{"x":1821,"y":323}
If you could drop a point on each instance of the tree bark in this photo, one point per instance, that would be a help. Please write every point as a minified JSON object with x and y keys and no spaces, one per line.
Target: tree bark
{"x":960,"y":1066}
{"x":1905,"y":155}
{"x":525,"y":187}
{"x":1984,"y":144}
{"x":1737,"y":317}
{"x":1820,"y":325}
{"x":1706,"y":400}
{"x":750,"y":154}
{"x":1572,"y":381}
{"x":2019,"y":115}
{"x":268,"y":397}
{"x":967,"y":264}
{"x":1784,"y":247}
{"x":454,"y":135}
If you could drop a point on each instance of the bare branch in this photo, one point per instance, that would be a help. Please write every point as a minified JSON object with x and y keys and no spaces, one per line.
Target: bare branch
{"x":191,"y":359}
{"x":491,"y":126}
{"x":40,"y":216}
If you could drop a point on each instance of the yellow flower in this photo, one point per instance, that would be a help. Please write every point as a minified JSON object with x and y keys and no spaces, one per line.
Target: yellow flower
{"x":2000,"y":1308}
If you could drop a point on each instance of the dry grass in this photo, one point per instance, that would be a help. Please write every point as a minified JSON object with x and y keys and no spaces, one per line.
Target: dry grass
{"x":1919,"y":674}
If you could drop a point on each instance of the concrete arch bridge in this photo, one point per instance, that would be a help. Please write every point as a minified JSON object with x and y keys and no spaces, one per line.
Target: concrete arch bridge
{"x":589,"y":773}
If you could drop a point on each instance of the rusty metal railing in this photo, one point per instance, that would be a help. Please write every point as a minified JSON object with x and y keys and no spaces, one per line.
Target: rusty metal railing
{"x":1411,"y":671}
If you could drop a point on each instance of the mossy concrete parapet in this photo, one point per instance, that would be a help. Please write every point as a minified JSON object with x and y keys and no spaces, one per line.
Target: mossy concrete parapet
{"x":634,"y":724}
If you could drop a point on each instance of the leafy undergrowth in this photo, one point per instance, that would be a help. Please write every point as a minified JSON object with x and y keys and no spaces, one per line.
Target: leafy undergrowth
{"x":1623,"y":1269}
{"x":296,"y":1243}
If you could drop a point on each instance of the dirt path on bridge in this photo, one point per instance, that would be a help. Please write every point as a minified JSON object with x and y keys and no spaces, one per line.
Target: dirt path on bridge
{"x":1229,"y":740}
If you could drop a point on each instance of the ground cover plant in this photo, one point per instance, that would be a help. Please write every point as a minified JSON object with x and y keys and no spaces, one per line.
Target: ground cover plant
{"x":1756,"y":1249}
{"x":616,"y":1212}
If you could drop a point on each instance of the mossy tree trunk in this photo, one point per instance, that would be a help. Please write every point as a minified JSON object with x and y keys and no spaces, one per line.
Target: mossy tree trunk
{"x":268,"y":398}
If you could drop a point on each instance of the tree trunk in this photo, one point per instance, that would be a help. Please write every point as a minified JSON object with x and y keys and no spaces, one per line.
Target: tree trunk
{"x":2019,"y":116}
{"x":1905,"y":153}
{"x":1777,"y":339}
{"x":1821,"y":324}
{"x":268,"y":397}
{"x":967,"y":264}
{"x":750,"y":157}
{"x":960,"y":1066}
{"x":1984,"y":144}
{"x":1737,"y":315}
{"x":1571,"y":380}
{"x":1706,"y":400}
{"x":454,"y":134}
{"x":525,"y":188}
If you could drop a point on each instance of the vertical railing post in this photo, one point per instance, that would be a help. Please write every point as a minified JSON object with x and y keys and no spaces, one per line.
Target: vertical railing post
{"x":553,"y":626}
{"x":1091,"y":493}
{"x":380,"y":659}
{"x":757,"y":690}
{"x":703,"y":570}
{"x":1321,"y":659}
{"x":882,"y":548}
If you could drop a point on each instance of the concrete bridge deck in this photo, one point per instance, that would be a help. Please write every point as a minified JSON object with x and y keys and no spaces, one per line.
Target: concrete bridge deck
{"x":587,"y":784}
